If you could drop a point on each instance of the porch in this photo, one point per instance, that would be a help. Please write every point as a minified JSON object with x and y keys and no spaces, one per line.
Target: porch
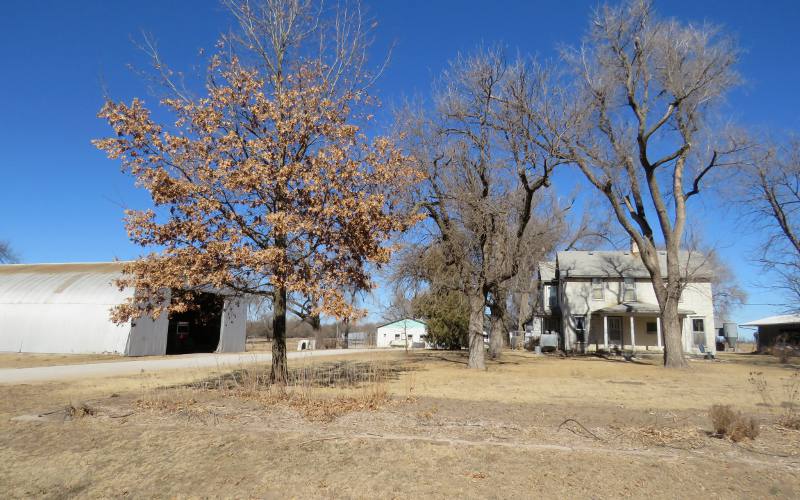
{"x":629,"y":326}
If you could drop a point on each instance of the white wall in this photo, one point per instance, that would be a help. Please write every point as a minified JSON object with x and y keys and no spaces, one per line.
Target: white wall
{"x":61,"y":328}
{"x":395,"y":334}
{"x":575,"y":299}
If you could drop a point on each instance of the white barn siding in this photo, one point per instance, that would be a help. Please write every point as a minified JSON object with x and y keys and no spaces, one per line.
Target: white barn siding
{"x":65,"y":308}
{"x":61,"y":308}
{"x":148,"y":337}
{"x":233,"y":335}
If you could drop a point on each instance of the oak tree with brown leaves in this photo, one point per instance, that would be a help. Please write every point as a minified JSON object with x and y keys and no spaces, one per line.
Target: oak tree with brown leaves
{"x":266,"y":185}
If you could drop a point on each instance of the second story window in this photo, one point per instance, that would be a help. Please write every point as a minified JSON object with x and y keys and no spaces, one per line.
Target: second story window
{"x":551,"y":295}
{"x":597,"y":289}
{"x":629,"y":290}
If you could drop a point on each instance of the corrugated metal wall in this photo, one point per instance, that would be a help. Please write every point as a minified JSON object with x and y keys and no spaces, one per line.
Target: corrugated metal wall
{"x":65,"y":308}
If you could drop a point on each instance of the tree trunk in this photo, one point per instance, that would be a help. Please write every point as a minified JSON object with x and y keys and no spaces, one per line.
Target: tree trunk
{"x":673,"y":338}
{"x":279,"y":374}
{"x":497,"y":335}
{"x":316,"y":331}
{"x":477,"y":355}
{"x":346,"y":334}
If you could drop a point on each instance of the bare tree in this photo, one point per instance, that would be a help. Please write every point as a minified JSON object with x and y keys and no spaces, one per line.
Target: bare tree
{"x":555,"y":230}
{"x":7,"y":254}
{"x":485,"y":162}
{"x":772,"y":193}
{"x":642,"y":133}
{"x":727,"y":293}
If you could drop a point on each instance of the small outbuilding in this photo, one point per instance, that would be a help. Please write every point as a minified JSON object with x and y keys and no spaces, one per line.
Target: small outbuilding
{"x":406,"y":332}
{"x":65,"y":308}
{"x":772,"y":328}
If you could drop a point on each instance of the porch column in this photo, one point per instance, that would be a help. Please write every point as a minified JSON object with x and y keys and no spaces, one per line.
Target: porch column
{"x":605,"y":332}
{"x":658,"y":331}
{"x":633,"y":335}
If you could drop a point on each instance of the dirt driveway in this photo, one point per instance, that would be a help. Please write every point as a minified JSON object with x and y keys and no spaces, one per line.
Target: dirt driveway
{"x":122,"y":366}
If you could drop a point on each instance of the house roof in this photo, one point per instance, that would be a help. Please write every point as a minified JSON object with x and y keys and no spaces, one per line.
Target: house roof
{"x":784,"y":319}
{"x":603,"y":264}
{"x":637,"y":308}
{"x":547,"y":270}
{"x":401,"y":321}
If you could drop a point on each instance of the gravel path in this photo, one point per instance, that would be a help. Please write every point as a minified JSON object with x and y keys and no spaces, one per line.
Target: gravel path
{"x":120,"y":368}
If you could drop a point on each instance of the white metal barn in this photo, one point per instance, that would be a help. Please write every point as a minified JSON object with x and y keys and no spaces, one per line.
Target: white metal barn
{"x":403,"y":333}
{"x":65,"y":308}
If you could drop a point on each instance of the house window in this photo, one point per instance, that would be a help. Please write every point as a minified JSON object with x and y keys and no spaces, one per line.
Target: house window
{"x":551,"y":325}
{"x":397,"y":336}
{"x":699,"y":331}
{"x":652,"y":327}
{"x":629,"y":290}
{"x":580,"y":327}
{"x":597,"y":289}
{"x":551,"y":292}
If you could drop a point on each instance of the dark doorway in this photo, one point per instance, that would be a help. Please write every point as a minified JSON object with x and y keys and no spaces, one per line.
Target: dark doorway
{"x":198,"y":329}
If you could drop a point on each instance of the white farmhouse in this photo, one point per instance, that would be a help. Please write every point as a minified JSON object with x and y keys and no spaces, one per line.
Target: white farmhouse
{"x":605,"y":300}
{"x":65,"y":308}
{"x":403,"y":333}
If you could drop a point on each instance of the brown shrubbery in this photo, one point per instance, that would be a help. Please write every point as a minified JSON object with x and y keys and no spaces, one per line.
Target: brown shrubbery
{"x":732,"y":424}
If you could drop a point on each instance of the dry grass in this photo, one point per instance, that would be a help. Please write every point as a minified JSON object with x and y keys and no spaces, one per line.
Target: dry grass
{"x":28,"y":360}
{"x":660,"y":436}
{"x":320,"y":392}
{"x":396,"y":425}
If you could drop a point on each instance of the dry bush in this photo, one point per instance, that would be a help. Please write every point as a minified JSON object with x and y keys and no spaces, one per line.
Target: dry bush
{"x":732,"y":424}
{"x":791,"y":407}
{"x":79,"y":410}
{"x":784,"y":349}
{"x":759,"y":383}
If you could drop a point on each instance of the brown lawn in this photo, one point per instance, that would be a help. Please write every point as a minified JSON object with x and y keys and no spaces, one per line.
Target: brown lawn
{"x":407,"y":425}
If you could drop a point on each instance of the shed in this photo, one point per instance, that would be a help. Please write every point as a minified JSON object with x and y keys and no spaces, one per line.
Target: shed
{"x":65,"y":308}
{"x":406,"y":332}
{"x":772,"y":327}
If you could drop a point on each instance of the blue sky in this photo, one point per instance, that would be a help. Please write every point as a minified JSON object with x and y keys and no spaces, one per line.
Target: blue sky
{"x":62,"y":200}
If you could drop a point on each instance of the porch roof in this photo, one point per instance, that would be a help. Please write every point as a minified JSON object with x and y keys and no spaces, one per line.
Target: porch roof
{"x":638,"y":308}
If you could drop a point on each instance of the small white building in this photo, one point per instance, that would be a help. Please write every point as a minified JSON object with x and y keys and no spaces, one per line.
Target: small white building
{"x":65,"y":308}
{"x":402,"y":333}
{"x":602,"y":299}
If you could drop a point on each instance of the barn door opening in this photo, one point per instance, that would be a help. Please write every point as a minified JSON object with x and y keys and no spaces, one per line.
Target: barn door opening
{"x":198,"y":329}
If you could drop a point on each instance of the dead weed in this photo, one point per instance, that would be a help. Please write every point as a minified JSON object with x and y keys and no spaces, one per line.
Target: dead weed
{"x":654,"y":436}
{"x":732,"y":424}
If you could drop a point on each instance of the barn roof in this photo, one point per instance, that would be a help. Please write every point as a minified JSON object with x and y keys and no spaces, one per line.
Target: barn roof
{"x":606,"y":264}
{"x":71,"y":283}
{"x":784,"y":319}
